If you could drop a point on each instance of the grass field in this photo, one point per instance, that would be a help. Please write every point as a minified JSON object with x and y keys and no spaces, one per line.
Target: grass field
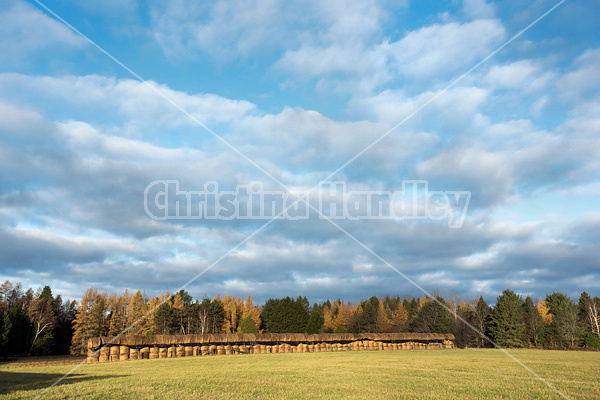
{"x":434,"y":374}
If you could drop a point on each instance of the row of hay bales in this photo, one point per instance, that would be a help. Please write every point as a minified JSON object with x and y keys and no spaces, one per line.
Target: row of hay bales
{"x":121,"y":348}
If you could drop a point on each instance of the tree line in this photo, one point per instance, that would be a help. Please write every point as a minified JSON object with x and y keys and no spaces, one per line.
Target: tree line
{"x":38,"y":323}
{"x":34,"y":323}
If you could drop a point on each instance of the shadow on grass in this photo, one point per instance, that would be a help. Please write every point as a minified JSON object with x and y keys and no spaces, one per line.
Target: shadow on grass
{"x":13,"y":381}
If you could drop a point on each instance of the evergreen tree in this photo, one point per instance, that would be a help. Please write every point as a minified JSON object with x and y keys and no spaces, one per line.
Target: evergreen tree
{"x":315,"y":320}
{"x":481,"y":321}
{"x":506,"y":326}
{"x":368,"y":319}
{"x":247,"y":325}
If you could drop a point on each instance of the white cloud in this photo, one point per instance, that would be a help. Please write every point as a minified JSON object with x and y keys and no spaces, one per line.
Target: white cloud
{"x":524,"y":75}
{"x":436,"y":51}
{"x":25,"y":31}
{"x":583,"y":81}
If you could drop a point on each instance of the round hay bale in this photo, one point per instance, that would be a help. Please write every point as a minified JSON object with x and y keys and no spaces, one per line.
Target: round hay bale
{"x":114,"y":353}
{"x":145,"y":353}
{"x":204,"y":350}
{"x":220,"y":350}
{"x":189,"y":351}
{"x":263,"y":349}
{"x":196,"y":351}
{"x":92,"y":356}
{"x":180,"y":351}
{"x":134,"y":354}
{"x":275,"y":349}
{"x":123,"y":353}
{"x":172,"y":352}
{"x":153,"y":353}
{"x":235,"y":349}
{"x":228,"y":349}
{"x":212,"y":349}
{"x":104,"y":354}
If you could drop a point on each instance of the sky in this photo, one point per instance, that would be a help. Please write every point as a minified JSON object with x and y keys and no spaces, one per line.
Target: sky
{"x":286,"y":93}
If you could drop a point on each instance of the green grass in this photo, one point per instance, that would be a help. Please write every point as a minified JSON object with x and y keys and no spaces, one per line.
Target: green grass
{"x":434,"y":374}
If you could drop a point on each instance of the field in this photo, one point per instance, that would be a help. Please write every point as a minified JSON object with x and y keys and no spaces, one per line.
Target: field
{"x":434,"y":374}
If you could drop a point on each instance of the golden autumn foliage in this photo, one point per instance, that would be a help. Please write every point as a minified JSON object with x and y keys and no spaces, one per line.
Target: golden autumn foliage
{"x":252,"y":311}
{"x":544,"y":312}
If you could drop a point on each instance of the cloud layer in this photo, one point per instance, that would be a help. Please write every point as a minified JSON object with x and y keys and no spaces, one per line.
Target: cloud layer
{"x":80,"y":141}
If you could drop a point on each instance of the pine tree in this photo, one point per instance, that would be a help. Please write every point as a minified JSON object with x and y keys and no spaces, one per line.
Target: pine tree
{"x":315,"y":321}
{"x":481,"y":321}
{"x":506,"y":326}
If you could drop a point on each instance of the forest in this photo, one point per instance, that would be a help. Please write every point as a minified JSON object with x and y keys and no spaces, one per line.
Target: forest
{"x":38,"y":323}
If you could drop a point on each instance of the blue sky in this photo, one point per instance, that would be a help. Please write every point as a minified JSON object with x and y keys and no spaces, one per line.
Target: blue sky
{"x":300,"y":88}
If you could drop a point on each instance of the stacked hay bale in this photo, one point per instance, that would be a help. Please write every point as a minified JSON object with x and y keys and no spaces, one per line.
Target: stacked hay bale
{"x":134,"y":354}
{"x":162,"y":346}
{"x":104,"y":354}
{"x":114,"y":353}
{"x":153,"y":353}
{"x":123,"y":353}
{"x":163,"y":352}
{"x":93,"y":350}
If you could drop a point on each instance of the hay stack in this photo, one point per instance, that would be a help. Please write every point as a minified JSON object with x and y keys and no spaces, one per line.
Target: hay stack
{"x":134,"y":354}
{"x":228,"y":349}
{"x":104,"y":354}
{"x":172,"y":352}
{"x":275,"y":349}
{"x":153,"y":353}
{"x":162,"y":352}
{"x":180,"y":351}
{"x":220,"y":349}
{"x":92,"y":356}
{"x":114,"y":353}
{"x":123,"y":353}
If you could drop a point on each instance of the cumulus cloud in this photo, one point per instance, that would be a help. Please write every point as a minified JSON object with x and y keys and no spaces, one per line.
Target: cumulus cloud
{"x":435,"y":51}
